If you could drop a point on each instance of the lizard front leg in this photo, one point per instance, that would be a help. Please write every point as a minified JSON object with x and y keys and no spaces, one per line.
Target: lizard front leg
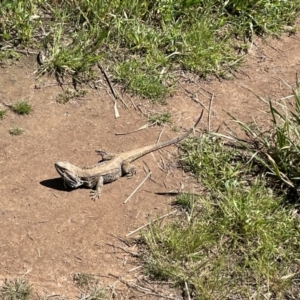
{"x":128,"y":169}
{"x":95,"y":194}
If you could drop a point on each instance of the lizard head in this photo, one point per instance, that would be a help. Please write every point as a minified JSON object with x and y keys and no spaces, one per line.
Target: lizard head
{"x":68,"y":173}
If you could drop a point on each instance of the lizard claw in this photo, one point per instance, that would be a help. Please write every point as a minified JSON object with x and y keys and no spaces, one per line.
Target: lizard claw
{"x":94,"y":195}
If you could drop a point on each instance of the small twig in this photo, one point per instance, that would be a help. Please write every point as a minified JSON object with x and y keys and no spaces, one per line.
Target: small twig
{"x":196,"y":99}
{"x":135,"y":268}
{"x":149,"y":223}
{"x":148,"y":169}
{"x":108,"y":81}
{"x":19,"y":51}
{"x":194,"y":96}
{"x":209,"y":111}
{"x":137,"y":187}
{"x":132,"y":102}
{"x":120,"y":239}
{"x":117,"y":115}
{"x":141,"y":128}
{"x":116,"y":96}
{"x":206,"y":91}
{"x":134,"y":254}
{"x":187,"y":290}
{"x":158,"y":139}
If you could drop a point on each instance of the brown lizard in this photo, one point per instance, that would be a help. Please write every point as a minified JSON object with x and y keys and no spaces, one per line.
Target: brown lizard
{"x":111,"y":167}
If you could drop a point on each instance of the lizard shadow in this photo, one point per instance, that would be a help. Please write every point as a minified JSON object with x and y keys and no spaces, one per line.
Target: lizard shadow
{"x":56,"y":184}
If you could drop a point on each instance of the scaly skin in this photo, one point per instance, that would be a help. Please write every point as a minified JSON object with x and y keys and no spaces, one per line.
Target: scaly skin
{"x":111,"y":167}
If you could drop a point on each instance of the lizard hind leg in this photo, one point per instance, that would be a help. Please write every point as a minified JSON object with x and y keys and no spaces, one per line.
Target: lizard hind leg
{"x":95,"y":194}
{"x":105,"y":155}
{"x":128,"y":169}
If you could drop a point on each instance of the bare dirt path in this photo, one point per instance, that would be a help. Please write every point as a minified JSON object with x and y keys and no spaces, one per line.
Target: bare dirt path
{"x":49,"y":233}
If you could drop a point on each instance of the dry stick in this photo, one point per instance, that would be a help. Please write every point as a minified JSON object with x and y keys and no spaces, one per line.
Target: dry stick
{"x":141,"y":128}
{"x":134,"y":254}
{"x":137,"y":187}
{"x":117,"y":115}
{"x":209,"y":111}
{"x":149,"y":223}
{"x":187,"y":290}
{"x":21,"y":51}
{"x":158,"y":139}
{"x":196,"y":99}
{"x":110,"y":85}
{"x":135,"y":268}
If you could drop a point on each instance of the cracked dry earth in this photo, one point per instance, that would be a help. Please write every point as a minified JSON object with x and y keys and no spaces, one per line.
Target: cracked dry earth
{"x":48,"y":232}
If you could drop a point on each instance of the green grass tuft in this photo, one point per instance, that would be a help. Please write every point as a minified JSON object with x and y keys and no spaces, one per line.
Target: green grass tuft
{"x":160,"y":118}
{"x":69,"y":94}
{"x":84,"y":280}
{"x":16,"y":130}
{"x":21,"y":107}
{"x":2,"y":113}
{"x":237,"y":240}
{"x":96,"y":293}
{"x":15,"y":290}
{"x":142,"y":44}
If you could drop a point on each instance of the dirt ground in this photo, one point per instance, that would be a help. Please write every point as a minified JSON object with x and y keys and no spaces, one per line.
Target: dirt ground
{"x":48,"y":232}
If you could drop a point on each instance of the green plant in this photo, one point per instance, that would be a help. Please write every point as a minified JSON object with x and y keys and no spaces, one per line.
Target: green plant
{"x":21,"y":107}
{"x":96,"y":293}
{"x":2,"y":113}
{"x":65,"y":57}
{"x":205,"y":155}
{"x":89,"y":283}
{"x":19,"y":21}
{"x":160,"y":118}
{"x":84,"y":280}
{"x":16,"y":130}
{"x":69,"y":94}
{"x":15,"y":290}
{"x":142,"y":44}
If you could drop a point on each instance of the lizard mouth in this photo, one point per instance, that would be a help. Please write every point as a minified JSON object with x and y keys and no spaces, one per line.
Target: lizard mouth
{"x":69,"y":177}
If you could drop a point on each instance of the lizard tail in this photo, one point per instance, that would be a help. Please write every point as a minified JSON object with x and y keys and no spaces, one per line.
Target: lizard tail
{"x":135,"y":154}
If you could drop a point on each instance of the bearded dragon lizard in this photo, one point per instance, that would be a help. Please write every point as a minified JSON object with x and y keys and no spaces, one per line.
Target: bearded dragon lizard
{"x":110,"y":167}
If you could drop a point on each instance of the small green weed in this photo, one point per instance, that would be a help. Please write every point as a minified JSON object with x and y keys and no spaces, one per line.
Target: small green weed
{"x":15,"y":290}
{"x":141,"y":79}
{"x":159,"y":119}
{"x":84,"y":280}
{"x":9,"y":55}
{"x":185,"y":201}
{"x":21,"y":107}
{"x":87,"y":282}
{"x":96,"y":293}
{"x":69,"y":94}
{"x":2,"y":113}
{"x":16,"y":130}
